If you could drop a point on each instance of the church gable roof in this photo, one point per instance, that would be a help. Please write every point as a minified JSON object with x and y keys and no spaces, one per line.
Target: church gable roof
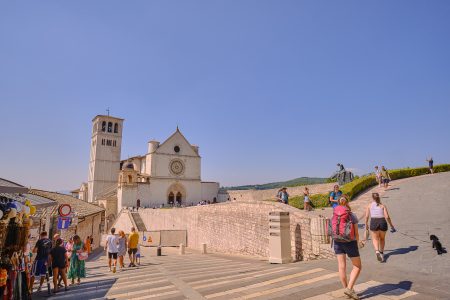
{"x":177,"y":139}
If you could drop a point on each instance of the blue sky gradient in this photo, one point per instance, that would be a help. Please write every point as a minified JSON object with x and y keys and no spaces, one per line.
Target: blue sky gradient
{"x":269,"y":90}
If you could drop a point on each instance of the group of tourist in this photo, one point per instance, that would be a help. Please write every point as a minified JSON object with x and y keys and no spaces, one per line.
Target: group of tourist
{"x":382,"y":176}
{"x":118,"y":245}
{"x":283,"y":197}
{"x":347,"y":242}
{"x":63,"y":260}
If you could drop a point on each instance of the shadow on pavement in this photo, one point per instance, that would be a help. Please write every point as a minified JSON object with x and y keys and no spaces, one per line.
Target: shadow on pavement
{"x":389,"y":289}
{"x":86,"y":290}
{"x":400,"y":251}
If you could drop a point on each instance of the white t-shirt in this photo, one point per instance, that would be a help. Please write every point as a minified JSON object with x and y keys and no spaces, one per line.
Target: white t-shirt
{"x":112,"y":243}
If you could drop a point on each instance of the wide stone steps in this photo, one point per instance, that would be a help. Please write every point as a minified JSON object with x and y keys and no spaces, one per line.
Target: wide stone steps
{"x":196,"y":276}
{"x":138,"y":221}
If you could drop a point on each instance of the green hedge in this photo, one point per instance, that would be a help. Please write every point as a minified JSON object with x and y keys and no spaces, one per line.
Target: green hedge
{"x":361,"y":184}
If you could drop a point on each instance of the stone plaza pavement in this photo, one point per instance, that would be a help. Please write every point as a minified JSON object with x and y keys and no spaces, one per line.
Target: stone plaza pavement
{"x":213,"y":276}
{"x":418,"y":206}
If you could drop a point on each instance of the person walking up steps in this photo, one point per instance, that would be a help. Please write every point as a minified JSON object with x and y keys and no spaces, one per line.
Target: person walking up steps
{"x":42,"y":249}
{"x":59,"y":264}
{"x":112,"y":247}
{"x":343,"y":229}
{"x":77,"y":267}
{"x":122,"y":248}
{"x":378,"y":215}
{"x":133,"y":241}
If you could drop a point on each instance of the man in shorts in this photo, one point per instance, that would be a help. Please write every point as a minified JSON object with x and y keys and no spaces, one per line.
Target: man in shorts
{"x":133,"y":241}
{"x":112,"y":245}
{"x":39,"y":269}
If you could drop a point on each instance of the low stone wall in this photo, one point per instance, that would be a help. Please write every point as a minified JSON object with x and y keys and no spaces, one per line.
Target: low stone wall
{"x":247,"y":195}
{"x":237,"y":227}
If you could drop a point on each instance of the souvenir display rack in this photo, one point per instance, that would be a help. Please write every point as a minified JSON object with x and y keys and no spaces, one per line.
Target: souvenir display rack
{"x":15,"y":225}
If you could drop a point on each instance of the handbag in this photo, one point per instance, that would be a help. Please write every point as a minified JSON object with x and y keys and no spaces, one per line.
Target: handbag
{"x":82,"y":255}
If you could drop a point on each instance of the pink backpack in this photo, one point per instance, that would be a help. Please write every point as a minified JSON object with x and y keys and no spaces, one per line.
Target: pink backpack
{"x":340,"y":227}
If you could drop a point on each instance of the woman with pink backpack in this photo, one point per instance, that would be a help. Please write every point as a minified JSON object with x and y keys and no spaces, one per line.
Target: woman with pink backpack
{"x":343,"y":228}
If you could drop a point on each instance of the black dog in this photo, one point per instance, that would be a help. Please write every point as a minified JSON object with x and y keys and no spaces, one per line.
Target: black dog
{"x":436,"y":244}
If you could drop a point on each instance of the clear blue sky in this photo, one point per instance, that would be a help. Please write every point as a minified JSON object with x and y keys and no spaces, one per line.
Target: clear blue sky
{"x":260,"y":86}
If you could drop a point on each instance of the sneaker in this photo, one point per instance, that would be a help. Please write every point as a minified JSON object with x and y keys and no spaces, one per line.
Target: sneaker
{"x":382,"y":256}
{"x":39,"y":288}
{"x":130,"y":265}
{"x":351,"y":294}
{"x":379,"y":257}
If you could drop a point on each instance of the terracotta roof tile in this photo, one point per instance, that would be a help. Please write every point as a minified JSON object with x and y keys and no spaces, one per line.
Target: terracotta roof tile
{"x":81,"y":208}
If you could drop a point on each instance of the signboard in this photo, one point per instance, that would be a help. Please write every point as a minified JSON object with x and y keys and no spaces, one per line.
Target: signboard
{"x":64,"y":210}
{"x":64,"y":222}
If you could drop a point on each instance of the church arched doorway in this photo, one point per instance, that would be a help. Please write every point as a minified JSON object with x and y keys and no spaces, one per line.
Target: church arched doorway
{"x":176,"y":194}
{"x":171,"y":199}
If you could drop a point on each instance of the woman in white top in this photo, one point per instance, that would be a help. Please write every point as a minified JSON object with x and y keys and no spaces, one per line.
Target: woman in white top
{"x":379,"y":219}
{"x":378,"y":175}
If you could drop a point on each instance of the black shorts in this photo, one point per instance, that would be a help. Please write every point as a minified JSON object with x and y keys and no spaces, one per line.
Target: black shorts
{"x":132,"y":251}
{"x":349,"y":248}
{"x":112,"y":255}
{"x":378,"y":224}
{"x":386,"y":180}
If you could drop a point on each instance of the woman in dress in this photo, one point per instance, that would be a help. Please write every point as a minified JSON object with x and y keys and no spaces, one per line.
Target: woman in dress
{"x":122,"y":248}
{"x":77,"y":266}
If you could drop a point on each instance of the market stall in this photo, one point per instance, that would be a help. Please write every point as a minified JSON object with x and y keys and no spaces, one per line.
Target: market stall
{"x":16,"y":209}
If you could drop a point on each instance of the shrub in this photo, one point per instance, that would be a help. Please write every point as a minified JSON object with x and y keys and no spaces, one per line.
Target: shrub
{"x":361,"y":184}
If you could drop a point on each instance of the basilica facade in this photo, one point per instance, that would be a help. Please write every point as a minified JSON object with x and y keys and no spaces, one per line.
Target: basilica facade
{"x":168,"y":174}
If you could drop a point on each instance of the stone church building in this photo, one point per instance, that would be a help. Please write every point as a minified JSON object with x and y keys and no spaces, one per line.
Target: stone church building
{"x":168,"y":174}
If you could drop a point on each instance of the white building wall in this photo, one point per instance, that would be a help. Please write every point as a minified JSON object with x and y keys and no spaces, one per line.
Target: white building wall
{"x":144,"y":193}
{"x":126,"y":196}
{"x":156,"y":193}
{"x":160,"y":166}
{"x":210,"y":191}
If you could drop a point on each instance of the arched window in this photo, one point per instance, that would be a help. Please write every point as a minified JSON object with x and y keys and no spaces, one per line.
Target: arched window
{"x":116,"y":128}
{"x":104,"y":126}
{"x":130,"y":179}
{"x":138,"y":203}
{"x":109,"y":126}
{"x":171,"y":198}
{"x":179,"y":198}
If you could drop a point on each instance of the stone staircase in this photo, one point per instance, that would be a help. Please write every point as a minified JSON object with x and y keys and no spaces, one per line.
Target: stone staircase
{"x":140,"y":226}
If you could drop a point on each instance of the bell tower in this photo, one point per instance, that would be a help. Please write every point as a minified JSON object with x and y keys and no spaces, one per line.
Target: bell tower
{"x":104,"y":162}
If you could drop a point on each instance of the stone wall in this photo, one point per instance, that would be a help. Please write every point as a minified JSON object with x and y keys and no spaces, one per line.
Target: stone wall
{"x":236,"y":227}
{"x":271,"y":194}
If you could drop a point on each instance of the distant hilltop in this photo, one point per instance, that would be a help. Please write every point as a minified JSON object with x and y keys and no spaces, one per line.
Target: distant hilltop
{"x":274,"y":185}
